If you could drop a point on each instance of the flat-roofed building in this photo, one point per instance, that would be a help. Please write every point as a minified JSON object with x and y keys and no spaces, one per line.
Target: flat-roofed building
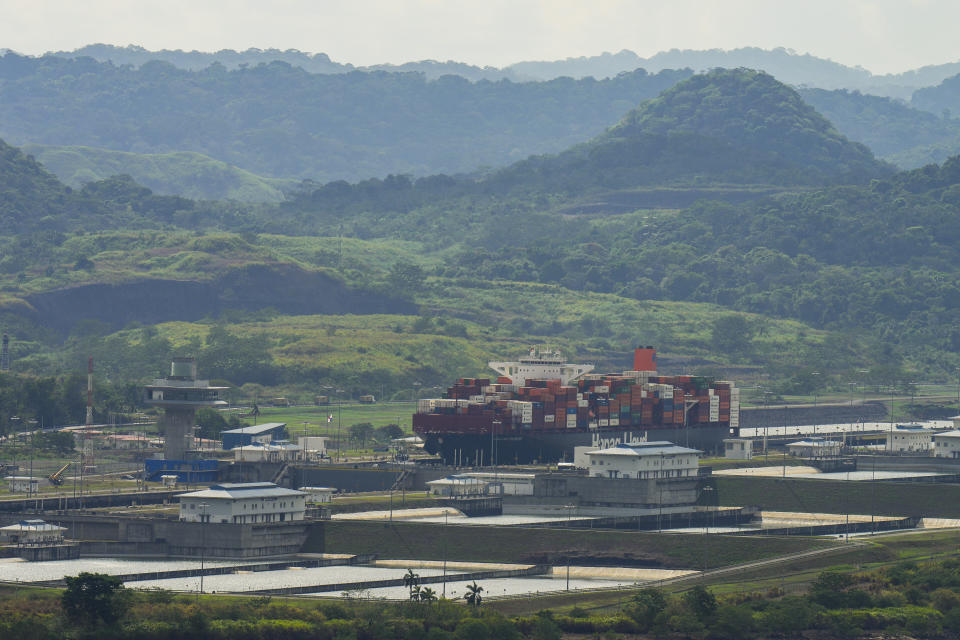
{"x":947,"y":444}
{"x":271,"y":452}
{"x":738,"y":449}
{"x":909,"y":438}
{"x":644,"y":460}
{"x":453,"y":486}
{"x":242,"y":503}
{"x":32,"y":532}
{"x":815,"y":448}
{"x":23,"y":484}
{"x":263,"y":433}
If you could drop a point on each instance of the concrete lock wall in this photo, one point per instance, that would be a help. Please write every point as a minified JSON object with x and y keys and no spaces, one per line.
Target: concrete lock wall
{"x":830,"y":414}
{"x":112,"y":535}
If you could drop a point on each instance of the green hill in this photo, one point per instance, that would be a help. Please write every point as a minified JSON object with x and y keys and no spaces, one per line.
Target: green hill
{"x":894,"y":131}
{"x":32,"y":198}
{"x":281,"y":121}
{"x":184,"y":173}
{"x":733,"y":126}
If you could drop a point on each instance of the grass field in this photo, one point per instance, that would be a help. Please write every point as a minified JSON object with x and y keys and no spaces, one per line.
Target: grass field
{"x":315,"y":418}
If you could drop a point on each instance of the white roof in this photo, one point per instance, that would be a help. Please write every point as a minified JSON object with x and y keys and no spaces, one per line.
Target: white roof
{"x":257,"y":429}
{"x":819,"y":442}
{"x":456,"y":480}
{"x":34,"y":478}
{"x":32,"y":525}
{"x":640,"y":449}
{"x":948,"y":434}
{"x":260,"y":446}
{"x":486,"y":475}
{"x":241,"y":491}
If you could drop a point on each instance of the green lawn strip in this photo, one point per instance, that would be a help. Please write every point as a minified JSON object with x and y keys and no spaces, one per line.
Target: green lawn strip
{"x":316,"y":418}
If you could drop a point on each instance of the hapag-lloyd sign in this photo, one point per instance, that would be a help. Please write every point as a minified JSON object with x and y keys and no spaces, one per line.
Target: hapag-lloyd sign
{"x":628,"y":438}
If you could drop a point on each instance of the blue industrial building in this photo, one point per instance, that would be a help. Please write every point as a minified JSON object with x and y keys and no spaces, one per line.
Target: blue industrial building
{"x":244,"y":436}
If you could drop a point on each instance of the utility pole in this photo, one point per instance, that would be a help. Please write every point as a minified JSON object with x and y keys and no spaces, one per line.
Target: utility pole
{"x":203,"y":543}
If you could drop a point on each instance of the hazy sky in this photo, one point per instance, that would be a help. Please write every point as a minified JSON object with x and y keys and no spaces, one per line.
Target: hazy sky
{"x":880,"y":35}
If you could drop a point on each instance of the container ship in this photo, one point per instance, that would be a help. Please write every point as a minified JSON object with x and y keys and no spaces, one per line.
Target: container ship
{"x":541,"y":407}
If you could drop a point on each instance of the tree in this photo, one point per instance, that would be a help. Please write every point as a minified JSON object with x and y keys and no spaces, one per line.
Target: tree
{"x":410,"y":581}
{"x":389,"y":432}
{"x":405,"y":279}
{"x":428,"y":595}
{"x":647,"y":605}
{"x":700,"y":602}
{"x":472,"y":596}
{"x":91,"y":598}
{"x":732,"y":334}
{"x":59,"y":441}
{"x":361,"y":432}
{"x":211,"y":422}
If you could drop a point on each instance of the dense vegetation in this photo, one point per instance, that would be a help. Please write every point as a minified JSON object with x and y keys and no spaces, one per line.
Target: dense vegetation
{"x":907,"y":599}
{"x":942,"y":98}
{"x":499,"y":262}
{"x":191,"y":175}
{"x":905,"y":136}
{"x":787,"y":65}
{"x":281,"y":121}
{"x":735,"y":126}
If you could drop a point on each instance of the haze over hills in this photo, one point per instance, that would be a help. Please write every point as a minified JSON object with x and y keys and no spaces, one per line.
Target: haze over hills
{"x":280,"y":121}
{"x":802,"y":69}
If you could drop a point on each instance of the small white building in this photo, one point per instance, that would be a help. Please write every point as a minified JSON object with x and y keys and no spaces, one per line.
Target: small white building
{"x":267,"y":452}
{"x":319,"y":495}
{"x":455,"y":486}
{"x":508,"y":484}
{"x":909,"y":438}
{"x":645,"y":460}
{"x":738,"y":449}
{"x":316,"y":445}
{"x":947,"y":444}
{"x":815,"y":448}
{"x":23,"y":484}
{"x":242,"y":503}
{"x":32,"y":532}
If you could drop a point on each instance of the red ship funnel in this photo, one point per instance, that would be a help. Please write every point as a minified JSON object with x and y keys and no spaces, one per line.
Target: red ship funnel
{"x":644,"y":359}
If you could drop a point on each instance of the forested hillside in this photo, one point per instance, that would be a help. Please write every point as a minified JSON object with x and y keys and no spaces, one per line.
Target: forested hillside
{"x":748,"y":205}
{"x":894,"y":131}
{"x":791,"y":67}
{"x":281,"y":121}
{"x":736,"y":126}
{"x":943,"y":98}
{"x":181,"y":173}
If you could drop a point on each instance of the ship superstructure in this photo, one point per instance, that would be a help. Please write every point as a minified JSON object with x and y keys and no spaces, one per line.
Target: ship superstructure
{"x":541,"y":408}
{"x":540,"y":364}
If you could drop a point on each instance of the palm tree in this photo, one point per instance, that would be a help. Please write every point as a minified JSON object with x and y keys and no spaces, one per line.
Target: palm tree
{"x":411,"y":580}
{"x":415,"y":593}
{"x":427,"y":595}
{"x":473,"y":596}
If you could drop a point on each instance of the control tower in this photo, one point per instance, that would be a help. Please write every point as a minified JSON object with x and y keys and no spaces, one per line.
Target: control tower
{"x":180,"y":395}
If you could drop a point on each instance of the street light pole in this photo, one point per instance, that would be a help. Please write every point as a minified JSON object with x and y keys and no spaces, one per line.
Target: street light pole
{"x":339,"y":415}
{"x":203,"y":541}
